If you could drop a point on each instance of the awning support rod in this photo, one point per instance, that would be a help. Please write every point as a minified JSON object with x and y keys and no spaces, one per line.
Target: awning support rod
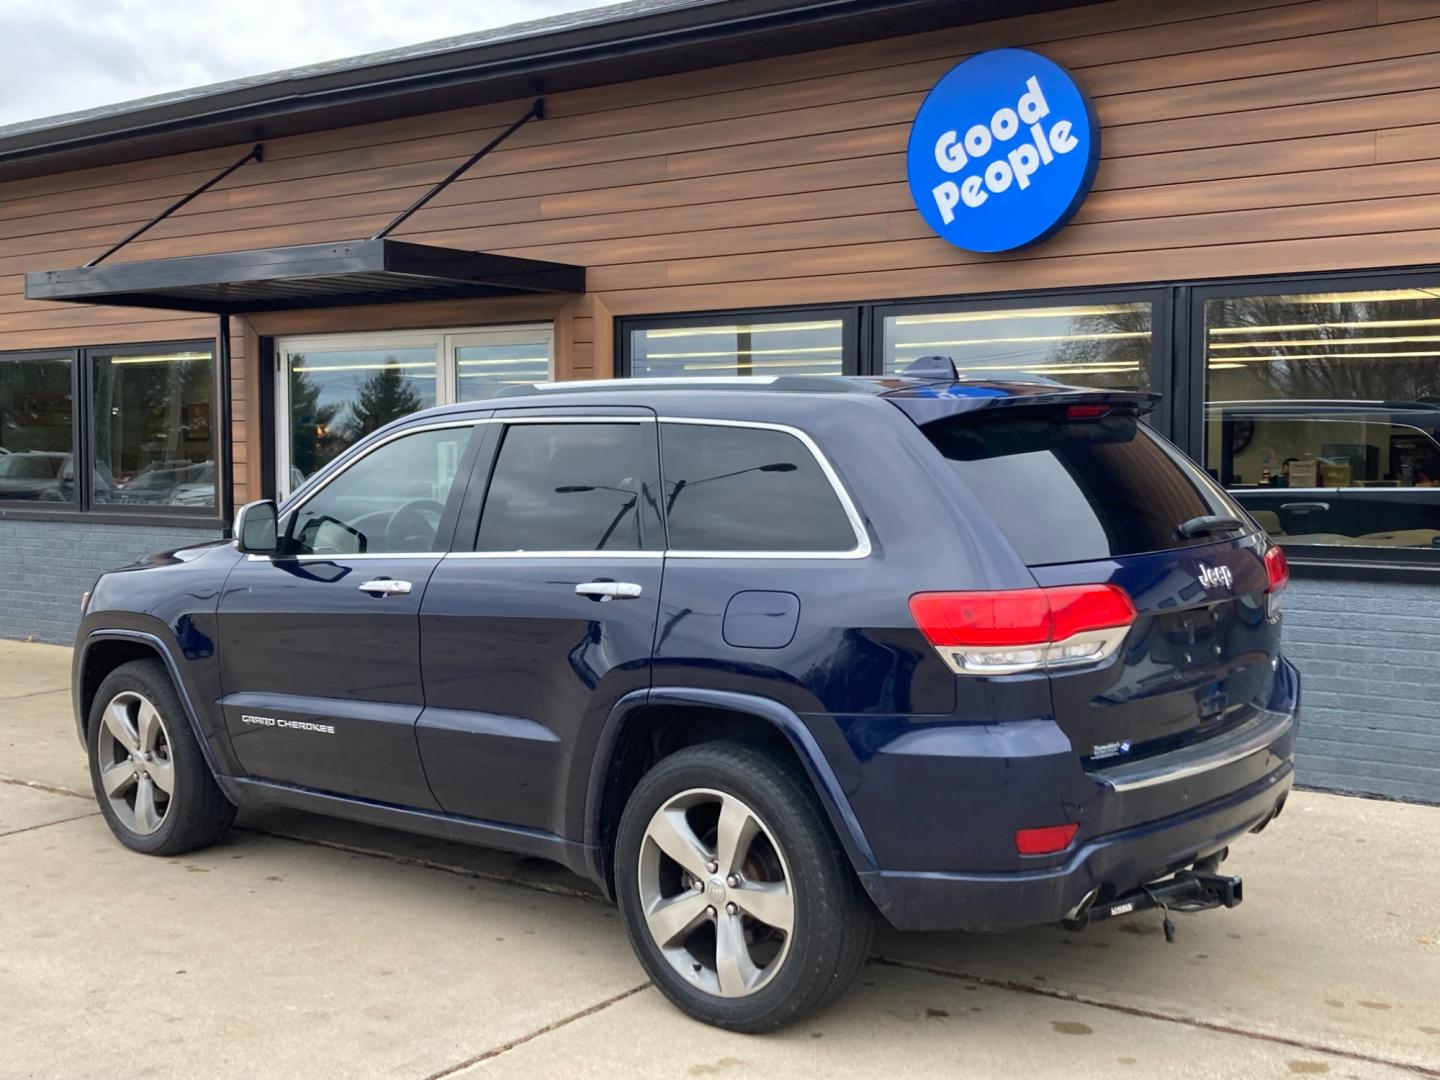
{"x":537,"y":112}
{"x":256,"y":153}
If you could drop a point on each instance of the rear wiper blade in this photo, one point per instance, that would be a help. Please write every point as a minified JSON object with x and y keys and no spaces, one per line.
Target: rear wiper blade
{"x":1207,"y":524}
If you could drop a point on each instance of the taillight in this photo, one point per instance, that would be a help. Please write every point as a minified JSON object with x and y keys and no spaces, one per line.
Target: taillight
{"x":1277,"y":569}
{"x":1046,"y":840}
{"x":1007,"y":631}
{"x":1086,"y":412}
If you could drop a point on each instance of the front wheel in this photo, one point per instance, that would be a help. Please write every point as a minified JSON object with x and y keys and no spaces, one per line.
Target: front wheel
{"x":735,"y":894}
{"x":150,"y":776}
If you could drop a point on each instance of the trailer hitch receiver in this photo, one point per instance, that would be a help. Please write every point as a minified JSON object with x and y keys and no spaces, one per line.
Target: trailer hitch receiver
{"x":1188,"y":891}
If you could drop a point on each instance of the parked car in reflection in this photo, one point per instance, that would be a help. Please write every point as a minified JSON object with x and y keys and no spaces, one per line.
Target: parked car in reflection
{"x":1358,"y":473}
{"x":31,"y":475}
{"x":177,"y":482}
{"x":44,"y":476}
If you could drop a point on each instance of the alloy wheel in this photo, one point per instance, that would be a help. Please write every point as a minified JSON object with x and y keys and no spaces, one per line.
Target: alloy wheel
{"x":716,"y":892}
{"x":137,"y":774}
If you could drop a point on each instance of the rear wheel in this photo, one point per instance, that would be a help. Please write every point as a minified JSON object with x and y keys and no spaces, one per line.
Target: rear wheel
{"x":150,"y":777}
{"x":735,"y":893}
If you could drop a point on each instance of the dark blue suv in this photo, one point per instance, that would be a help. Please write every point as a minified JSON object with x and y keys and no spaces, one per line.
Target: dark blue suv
{"x":760,"y":657}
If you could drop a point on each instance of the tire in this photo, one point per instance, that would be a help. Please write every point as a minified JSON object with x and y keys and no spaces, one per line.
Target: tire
{"x":152,"y":751}
{"x":683,"y":800}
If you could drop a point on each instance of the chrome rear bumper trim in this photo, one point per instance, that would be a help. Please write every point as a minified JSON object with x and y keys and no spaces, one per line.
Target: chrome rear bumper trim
{"x":1250,"y":737}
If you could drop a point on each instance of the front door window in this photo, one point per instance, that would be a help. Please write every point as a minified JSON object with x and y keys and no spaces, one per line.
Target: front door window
{"x":389,"y":502}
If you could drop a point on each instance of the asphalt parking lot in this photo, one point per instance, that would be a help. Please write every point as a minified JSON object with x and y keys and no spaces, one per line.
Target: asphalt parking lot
{"x":310,"y":948}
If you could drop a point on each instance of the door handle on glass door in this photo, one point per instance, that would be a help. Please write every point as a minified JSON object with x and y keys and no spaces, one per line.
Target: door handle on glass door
{"x":386,"y":587}
{"x":608,"y":590}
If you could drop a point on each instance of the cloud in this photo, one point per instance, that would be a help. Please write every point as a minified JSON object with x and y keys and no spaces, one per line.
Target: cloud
{"x":60,"y":56}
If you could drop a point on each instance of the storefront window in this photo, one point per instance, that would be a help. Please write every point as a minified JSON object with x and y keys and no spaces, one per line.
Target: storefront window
{"x":797,"y":347}
{"x":154,"y":434}
{"x":36,"y":434}
{"x":1323,"y":413}
{"x":1104,"y":345}
{"x":339,"y":388}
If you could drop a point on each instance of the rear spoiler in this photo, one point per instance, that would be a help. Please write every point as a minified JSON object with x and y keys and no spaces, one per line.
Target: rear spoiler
{"x":950,"y":395}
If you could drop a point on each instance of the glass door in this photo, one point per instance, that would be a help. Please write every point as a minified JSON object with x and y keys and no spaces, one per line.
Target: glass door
{"x":333,"y":390}
{"x":485,"y":361}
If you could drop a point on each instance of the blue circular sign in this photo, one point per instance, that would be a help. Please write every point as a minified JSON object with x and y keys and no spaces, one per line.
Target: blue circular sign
{"x":1002,"y":151}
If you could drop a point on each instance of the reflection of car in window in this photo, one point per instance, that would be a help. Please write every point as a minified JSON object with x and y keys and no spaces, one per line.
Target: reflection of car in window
{"x":43,"y":476}
{"x":31,"y":474}
{"x":175,"y":482}
{"x":1358,"y":473}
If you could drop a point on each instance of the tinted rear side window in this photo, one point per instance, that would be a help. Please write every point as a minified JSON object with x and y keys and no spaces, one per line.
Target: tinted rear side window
{"x":1064,"y":490}
{"x":747,"y":489}
{"x":566,"y":487}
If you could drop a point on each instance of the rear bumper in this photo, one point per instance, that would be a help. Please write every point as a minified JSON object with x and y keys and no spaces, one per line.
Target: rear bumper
{"x":1110,"y":864}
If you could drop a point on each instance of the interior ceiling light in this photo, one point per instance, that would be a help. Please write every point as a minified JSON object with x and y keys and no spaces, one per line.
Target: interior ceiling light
{"x":1338,"y":343}
{"x":1018,"y":313}
{"x":739,"y":352}
{"x":758,"y":328}
{"x":362,"y":367}
{"x":1285,"y":328}
{"x":1108,"y":336}
{"x":1237,"y":360}
{"x":172,"y":358}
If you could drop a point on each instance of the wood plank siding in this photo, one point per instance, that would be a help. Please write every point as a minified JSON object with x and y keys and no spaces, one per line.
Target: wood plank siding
{"x":1239,"y":137}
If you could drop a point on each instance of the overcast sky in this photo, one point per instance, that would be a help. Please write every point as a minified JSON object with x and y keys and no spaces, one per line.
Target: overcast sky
{"x":59,"y":56}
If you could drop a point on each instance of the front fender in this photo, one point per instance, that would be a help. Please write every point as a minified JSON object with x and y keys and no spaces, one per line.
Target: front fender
{"x":154,"y":634}
{"x":817,"y":767}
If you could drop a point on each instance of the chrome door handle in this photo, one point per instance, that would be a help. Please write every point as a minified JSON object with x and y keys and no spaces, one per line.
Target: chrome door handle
{"x":386,"y":587}
{"x":608,"y":590}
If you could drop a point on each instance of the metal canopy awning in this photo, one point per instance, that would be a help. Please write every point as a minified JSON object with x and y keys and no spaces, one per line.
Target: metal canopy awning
{"x":376,"y":271}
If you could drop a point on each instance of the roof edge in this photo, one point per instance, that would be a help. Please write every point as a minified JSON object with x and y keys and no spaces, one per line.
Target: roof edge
{"x":635,"y":41}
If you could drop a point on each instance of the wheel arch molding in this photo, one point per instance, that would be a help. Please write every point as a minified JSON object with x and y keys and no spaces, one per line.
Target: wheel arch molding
{"x":85,"y":683}
{"x":620,"y":726}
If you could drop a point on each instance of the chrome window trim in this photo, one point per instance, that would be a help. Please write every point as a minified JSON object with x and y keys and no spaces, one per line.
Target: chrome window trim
{"x":361,"y":555}
{"x":862,"y":548}
{"x":634,"y":418}
{"x":602,"y":553}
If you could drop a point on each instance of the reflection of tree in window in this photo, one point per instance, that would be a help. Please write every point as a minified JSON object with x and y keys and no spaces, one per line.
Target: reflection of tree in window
{"x":1331,"y":350}
{"x":315,"y":442}
{"x":1115,"y":336}
{"x":384,"y":396}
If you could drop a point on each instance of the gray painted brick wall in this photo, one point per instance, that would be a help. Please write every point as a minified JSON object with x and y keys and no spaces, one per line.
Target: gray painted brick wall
{"x":1369,"y":653}
{"x":47,"y":565}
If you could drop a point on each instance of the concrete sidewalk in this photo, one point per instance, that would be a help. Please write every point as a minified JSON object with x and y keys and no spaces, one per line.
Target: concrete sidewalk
{"x":310,"y":948}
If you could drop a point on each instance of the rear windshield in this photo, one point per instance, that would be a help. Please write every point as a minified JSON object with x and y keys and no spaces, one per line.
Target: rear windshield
{"x":1065,"y":490}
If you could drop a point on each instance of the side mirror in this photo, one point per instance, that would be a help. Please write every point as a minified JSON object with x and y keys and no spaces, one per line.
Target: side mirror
{"x":257,"y":528}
